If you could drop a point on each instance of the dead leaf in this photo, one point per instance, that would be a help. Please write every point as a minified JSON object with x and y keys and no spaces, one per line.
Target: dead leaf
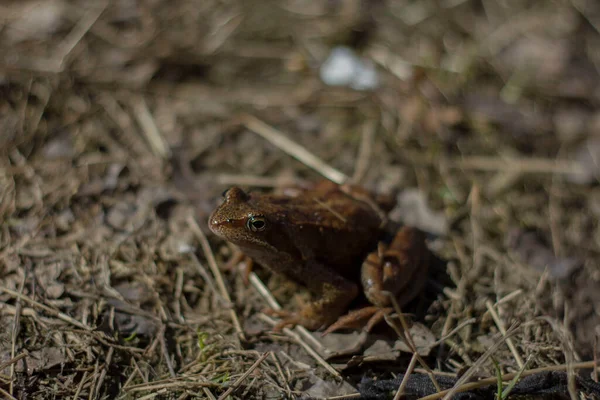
{"x":413,"y":210}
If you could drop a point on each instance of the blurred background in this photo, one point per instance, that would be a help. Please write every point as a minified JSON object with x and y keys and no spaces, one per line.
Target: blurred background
{"x":120,"y":120}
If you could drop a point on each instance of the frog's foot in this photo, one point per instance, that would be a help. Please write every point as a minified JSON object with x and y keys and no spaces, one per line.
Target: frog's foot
{"x":290,"y":319}
{"x":356,"y":319}
{"x":399,"y":269}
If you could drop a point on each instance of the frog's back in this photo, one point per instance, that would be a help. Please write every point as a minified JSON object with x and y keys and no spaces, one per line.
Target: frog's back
{"x":328,"y":226}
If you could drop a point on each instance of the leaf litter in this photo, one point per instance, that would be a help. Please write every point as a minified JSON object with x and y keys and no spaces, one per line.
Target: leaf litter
{"x":123,"y":121}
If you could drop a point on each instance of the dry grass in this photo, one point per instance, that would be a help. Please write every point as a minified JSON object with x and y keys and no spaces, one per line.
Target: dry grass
{"x":121,"y":123}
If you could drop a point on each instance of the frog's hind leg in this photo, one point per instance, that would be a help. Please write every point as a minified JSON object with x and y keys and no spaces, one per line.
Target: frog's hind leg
{"x":399,"y":269}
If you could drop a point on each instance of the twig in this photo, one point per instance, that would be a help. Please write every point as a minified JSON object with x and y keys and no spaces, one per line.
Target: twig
{"x":290,"y":333}
{"x":12,"y":361}
{"x":80,"y":386}
{"x":502,"y":329}
{"x":77,"y":33}
{"x":165,"y":352}
{"x":109,"y":357}
{"x":256,"y":181}
{"x":49,"y":310}
{"x":266,"y":294}
{"x":146,"y":121}
{"x":293,"y":149}
{"x":407,"y":374}
{"x":365,"y":150}
{"x":467,"y":375}
{"x":6,"y":394}
{"x":244,"y":376}
{"x":16,"y":328}
{"x":405,"y":335}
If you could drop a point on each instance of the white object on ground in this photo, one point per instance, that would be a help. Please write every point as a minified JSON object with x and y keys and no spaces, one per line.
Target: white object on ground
{"x":344,"y":68}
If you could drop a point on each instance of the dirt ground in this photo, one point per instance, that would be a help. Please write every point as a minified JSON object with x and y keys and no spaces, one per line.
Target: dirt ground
{"x":123,"y":121}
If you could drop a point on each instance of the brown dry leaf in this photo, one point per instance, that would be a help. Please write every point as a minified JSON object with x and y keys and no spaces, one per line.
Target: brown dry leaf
{"x":322,"y":389}
{"x":413,"y":210}
{"x":381,"y":350}
{"x":423,"y":338}
{"x":44,"y":359}
{"x":344,"y":343}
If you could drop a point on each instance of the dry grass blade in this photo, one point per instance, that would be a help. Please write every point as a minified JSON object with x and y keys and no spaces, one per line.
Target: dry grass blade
{"x":110,"y":109}
{"x":148,"y":124}
{"x":365,"y":150}
{"x":266,"y":294}
{"x":467,"y":375}
{"x":294,"y":149}
{"x":237,"y":383}
{"x":407,"y":374}
{"x":502,"y":329}
{"x":47,"y":309}
{"x":7,"y":395}
{"x":298,"y":339}
{"x":12,"y":361}
{"x":404,"y":334}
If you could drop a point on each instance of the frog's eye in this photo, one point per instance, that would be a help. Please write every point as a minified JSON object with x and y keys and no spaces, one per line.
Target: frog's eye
{"x":256,"y":223}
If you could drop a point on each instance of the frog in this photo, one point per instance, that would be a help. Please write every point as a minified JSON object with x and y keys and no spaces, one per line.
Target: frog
{"x":330,"y":238}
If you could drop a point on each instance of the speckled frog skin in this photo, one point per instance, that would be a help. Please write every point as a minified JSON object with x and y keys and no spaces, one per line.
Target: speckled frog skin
{"x":318,"y":237}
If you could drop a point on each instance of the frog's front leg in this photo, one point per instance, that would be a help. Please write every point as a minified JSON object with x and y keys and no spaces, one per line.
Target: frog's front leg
{"x":334,"y":294}
{"x":399,"y":269}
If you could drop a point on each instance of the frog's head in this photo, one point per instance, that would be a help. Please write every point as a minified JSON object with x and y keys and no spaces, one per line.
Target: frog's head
{"x":239,"y":221}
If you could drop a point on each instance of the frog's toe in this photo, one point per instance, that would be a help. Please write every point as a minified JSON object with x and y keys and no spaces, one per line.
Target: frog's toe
{"x":365,"y":318}
{"x":288,"y":319}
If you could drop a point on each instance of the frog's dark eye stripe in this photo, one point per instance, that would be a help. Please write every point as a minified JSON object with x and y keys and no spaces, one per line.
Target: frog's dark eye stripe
{"x":256,"y":223}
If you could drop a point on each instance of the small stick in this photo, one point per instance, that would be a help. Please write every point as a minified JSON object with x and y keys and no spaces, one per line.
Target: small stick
{"x":165,"y":352}
{"x":157,"y":143}
{"x":404,"y":334}
{"x":244,"y":376}
{"x":266,"y":294}
{"x":80,"y":386}
{"x":302,"y":343}
{"x":461,"y":381}
{"x":44,"y":307}
{"x":365,"y":150}
{"x":502,"y":329}
{"x":12,"y":361}
{"x":293,"y":149}
{"x":256,"y":181}
{"x":6,"y":394}
{"x":409,"y":371}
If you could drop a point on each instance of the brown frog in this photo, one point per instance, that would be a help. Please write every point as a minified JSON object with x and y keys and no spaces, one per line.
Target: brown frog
{"x":328,"y":238}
